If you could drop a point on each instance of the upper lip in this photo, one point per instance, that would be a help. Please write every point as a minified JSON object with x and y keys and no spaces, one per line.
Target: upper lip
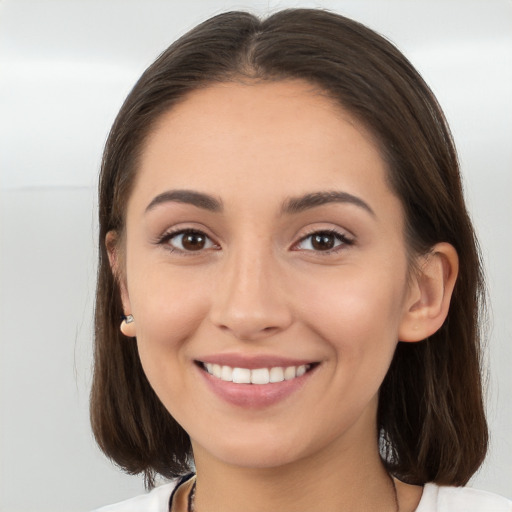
{"x":252,"y":362}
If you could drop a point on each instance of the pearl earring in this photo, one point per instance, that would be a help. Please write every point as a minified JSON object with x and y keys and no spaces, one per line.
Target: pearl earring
{"x":128,"y":326}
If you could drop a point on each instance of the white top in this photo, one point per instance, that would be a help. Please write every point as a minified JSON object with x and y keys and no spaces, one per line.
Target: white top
{"x":434,"y":499}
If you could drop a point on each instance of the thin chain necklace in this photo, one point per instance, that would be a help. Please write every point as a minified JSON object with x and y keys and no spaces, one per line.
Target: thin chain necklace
{"x":191,"y":502}
{"x":191,"y":507}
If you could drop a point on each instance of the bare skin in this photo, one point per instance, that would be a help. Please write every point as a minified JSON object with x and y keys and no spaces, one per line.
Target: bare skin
{"x":262,"y":231}
{"x":408,"y":496}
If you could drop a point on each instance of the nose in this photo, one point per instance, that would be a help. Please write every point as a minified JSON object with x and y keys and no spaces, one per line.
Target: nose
{"x":250,"y":300}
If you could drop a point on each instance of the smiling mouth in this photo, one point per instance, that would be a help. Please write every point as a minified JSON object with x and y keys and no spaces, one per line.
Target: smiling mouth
{"x":258,"y":376}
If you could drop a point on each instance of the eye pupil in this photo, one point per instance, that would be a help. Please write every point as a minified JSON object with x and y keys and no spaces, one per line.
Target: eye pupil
{"x":193,"y":241}
{"x":323,"y":241}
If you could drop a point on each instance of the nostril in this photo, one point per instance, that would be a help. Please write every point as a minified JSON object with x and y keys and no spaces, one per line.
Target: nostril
{"x":249,"y":317}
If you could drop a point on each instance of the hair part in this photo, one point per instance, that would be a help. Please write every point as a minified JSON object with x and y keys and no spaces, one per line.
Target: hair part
{"x":431,"y":422}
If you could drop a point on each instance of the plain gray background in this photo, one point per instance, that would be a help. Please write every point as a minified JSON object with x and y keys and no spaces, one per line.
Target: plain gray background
{"x":65,"y":68}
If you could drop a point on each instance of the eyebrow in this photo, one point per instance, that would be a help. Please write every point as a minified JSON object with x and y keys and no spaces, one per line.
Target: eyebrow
{"x":290,"y":206}
{"x":314,"y":199}
{"x":198,"y":199}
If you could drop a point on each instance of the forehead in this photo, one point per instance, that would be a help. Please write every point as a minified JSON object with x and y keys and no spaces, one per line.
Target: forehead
{"x":272,"y":138}
{"x":235,"y":109}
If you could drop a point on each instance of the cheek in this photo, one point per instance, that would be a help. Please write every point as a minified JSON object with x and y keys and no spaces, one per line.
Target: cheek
{"x":356,"y":311}
{"x":166,"y":301}
{"x":358,"y":319}
{"x":168,"y":311}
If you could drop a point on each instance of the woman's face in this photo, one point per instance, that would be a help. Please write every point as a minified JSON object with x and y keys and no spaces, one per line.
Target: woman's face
{"x":263,"y":243}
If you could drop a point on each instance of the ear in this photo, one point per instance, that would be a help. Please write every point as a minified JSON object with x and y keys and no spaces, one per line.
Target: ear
{"x":430,"y":293}
{"x":116,"y":264}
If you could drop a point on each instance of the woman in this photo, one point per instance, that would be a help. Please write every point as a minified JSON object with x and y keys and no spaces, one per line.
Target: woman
{"x":283,"y":233}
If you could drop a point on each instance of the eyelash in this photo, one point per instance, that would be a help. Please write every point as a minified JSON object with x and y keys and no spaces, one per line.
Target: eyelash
{"x":168,"y":236}
{"x":342,"y":238}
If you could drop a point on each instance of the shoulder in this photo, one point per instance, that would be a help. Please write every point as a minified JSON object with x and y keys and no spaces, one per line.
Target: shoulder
{"x":461,"y":499}
{"x":155,"y":501}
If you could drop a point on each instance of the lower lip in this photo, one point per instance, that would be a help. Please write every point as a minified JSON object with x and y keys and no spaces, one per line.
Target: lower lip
{"x":255,"y":395}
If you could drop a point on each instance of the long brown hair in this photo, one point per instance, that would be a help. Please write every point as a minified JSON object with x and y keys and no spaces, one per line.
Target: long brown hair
{"x":431,"y":423}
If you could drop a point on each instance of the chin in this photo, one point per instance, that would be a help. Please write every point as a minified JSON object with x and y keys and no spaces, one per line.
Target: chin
{"x":251,"y":453}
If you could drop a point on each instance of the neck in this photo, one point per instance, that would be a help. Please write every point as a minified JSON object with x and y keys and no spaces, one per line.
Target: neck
{"x":345,"y":477}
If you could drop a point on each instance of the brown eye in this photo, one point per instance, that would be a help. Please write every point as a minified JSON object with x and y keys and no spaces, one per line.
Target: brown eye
{"x":323,"y":241}
{"x":190,"y":241}
{"x":193,"y":241}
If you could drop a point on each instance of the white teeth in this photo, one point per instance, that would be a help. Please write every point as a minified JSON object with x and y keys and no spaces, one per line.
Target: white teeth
{"x":217,"y":370}
{"x":257,"y":376}
{"x":226,"y":373}
{"x":290,"y":373}
{"x":260,"y":376}
{"x":301,"y":370}
{"x":276,"y":374}
{"x":241,"y":375}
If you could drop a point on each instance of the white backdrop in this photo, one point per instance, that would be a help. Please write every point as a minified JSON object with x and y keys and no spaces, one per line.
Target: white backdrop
{"x":65,"y":67}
